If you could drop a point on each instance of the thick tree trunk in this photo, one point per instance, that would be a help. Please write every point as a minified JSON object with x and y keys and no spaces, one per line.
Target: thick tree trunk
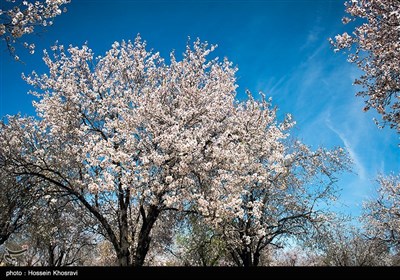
{"x":123,"y":253}
{"x":144,"y":234}
{"x":245,"y":257}
{"x":123,"y":258}
{"x":256,"y":259}
{"x":50,"y":250}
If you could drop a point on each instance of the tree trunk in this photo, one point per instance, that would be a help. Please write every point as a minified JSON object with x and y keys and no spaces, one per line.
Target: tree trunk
{"x":144,"y":234}
{"x":123,"y":254}
{"x":245,"y":257}
{"x":235,"y":257}
{"x":123,"y":257}
{"x":256,"y":258}
{"x":50,"y":249}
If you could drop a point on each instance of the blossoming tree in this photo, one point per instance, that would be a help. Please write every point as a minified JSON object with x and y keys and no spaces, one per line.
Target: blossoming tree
{"x":374,"y":47}
{"x":121,"y":133}
{"x":272,"y":189}
{"x":382,"y":215}
{"x":130,"y":137}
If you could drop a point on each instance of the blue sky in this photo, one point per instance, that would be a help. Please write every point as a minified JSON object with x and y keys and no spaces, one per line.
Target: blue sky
{"x":280,"y":46}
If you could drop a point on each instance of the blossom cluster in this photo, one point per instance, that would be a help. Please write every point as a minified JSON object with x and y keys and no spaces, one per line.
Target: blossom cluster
{"x":19,"y":18}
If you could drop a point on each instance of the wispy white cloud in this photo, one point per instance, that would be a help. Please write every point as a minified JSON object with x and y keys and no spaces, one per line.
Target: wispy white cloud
{"x":360,"y":168}
{"x":277,"y":85}
{"x":322,"y":98}
{"x":313,"y":35}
